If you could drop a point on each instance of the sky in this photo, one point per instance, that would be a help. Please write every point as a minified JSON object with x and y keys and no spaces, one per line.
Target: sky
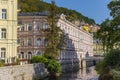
{"x":95,"y":9}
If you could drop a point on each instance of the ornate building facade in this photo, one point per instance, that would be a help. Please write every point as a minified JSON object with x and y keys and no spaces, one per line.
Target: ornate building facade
{"x":31,"y":37}
{"x":8,"y":30}
{"x":79,"y":42}
{"x":32,"y":40}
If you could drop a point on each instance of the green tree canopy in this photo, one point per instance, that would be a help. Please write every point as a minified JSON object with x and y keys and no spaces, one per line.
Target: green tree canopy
{"x":114,"y":7}
{"x":109,"y":32}
{"x":56,"y":39}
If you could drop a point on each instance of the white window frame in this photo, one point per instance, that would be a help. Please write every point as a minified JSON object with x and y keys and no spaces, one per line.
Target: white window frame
{"x":29,"y":27}
{"x":3,"y":53}
{"x":3,"y":33}
{"x":30,"y":42}
{"x":38,"y":41}
{"x":4,"y":14}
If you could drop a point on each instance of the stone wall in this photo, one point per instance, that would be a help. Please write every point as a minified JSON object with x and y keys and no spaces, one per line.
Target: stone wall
{"x":23,"y":72}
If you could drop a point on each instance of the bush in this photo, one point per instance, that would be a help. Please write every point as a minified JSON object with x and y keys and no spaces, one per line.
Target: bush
{"x":39,"y":59}
{"x":51,"y":64}
{"x":99,"y":67}
{"x":1,"y":64}
{"x":111,"y":59}
{"x":116,"y":74}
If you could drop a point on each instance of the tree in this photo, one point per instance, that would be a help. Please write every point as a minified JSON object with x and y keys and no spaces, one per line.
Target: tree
{"x":112,"y":40}
{"x":54,"y":35}
{"x":114,"y":6}
{"x":109,"y":33}
{"x":105,"y":35}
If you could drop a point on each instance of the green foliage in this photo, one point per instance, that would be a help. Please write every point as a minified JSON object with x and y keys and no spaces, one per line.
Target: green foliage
{"x":39,"y":59}
{"x":109,"y":34}
{"x":1,"y":64}
{"x":116,"y":74}
{"x":40,"y":6}
{"x":54,"y":35}
{"x":106,"y":35}
{"x":99,"y":67}
{"x":52,"y":65}
{"x":114,"y":7}
{"x":110,"y":29}
{"x":111,"y":59}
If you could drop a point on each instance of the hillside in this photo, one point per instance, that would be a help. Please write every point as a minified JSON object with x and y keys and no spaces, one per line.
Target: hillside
{"x":40,"y":6}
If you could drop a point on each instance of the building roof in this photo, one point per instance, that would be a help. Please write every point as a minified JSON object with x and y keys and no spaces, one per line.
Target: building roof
{"x":45,"y":13}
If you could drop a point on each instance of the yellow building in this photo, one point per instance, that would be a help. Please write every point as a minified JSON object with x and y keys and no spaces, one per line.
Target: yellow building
{"x":8,"y":30}
{"x":86,"y":28}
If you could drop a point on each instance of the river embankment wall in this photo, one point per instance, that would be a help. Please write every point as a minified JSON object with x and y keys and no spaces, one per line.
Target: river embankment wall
{"x":23,"y":72}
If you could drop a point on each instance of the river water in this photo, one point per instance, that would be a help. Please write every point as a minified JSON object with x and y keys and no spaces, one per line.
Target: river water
{"x":82,"y":74}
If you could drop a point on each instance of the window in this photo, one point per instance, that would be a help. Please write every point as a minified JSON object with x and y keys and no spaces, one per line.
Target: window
{"x":22,"y":28}
{"x":30,"y":27}
{"x":29,"y":42}
{"x":19,"y":56}
{"x":29,"y":55}
{"x":4,"y":13}
{"x":22,"y":55}
{"x":39,"y":53}
{"x":37,"y":27}
{"x":45,"y":42}
{"x":22,"y":42}
{"x":18,"y":41}
{"x":38,"y":42}
{"x":3,"y":52}
{"x":3,"y":33}
{"x":45,"y":26}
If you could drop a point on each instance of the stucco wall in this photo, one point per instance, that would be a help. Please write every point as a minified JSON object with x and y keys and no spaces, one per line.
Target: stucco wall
{"x":23,"y":72}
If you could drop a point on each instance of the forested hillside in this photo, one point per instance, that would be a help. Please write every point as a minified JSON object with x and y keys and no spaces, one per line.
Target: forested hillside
{"x":40,"y":6}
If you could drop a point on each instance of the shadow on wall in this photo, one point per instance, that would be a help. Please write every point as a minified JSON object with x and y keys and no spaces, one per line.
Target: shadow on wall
{"x":69,"y":58}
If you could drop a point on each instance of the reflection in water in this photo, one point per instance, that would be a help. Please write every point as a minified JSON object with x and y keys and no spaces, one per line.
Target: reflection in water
{"x":82,"y":74}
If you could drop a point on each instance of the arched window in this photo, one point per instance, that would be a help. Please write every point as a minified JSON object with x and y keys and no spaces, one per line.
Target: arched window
{"x":29,"y":55}
{"x":30,"y":42}
{"x":38,"y":42}
{"x":39,"y":53}
{"x":3,"y":53}
{"x":45,"y":42}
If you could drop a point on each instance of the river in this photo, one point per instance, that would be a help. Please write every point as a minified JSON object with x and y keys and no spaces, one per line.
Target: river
{"x":82,"y":74}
